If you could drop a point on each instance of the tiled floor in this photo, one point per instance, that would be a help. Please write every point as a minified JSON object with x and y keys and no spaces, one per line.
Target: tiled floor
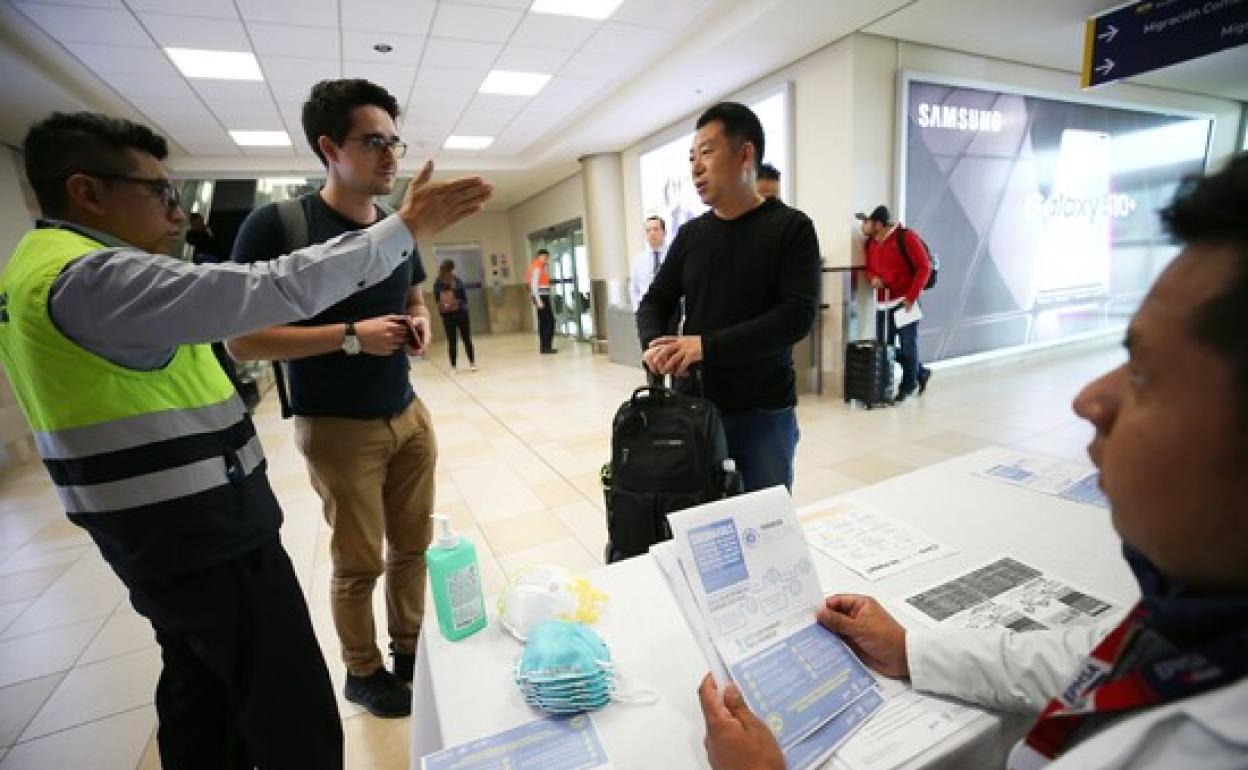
{"x":521,"y":442}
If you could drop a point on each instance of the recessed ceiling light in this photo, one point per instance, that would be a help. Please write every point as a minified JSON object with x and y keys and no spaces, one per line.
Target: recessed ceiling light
{"x":514,"y":83}
{"x":260,"y":138}
{"x":584,"y":9}
{"x":216,"y":65}
{"x":454,"y":142}
{"x":383,"y":48}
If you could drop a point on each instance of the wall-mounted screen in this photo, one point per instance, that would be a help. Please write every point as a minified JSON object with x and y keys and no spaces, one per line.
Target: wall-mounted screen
{"x":1043,"y":212}
{"x":667,"y":184}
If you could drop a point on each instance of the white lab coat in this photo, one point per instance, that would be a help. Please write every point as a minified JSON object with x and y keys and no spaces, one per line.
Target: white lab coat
{"x":642,"y":272}
{"x":1020,"y":671}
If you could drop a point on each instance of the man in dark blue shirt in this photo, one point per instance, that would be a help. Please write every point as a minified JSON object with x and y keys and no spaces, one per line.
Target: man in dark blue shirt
{"x":367,"y":439}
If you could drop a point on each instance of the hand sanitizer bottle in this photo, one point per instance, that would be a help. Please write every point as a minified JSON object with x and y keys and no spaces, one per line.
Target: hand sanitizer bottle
{"x":456,"y":581}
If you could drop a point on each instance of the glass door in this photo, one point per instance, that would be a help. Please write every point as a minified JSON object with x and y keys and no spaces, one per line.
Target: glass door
{"x":569,"y":277}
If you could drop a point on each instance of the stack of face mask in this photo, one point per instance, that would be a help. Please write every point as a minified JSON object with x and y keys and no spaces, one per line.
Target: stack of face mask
{"x":565,"y":668}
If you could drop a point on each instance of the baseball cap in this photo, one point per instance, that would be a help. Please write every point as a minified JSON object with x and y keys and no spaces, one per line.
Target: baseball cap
{"x":878,"y":214}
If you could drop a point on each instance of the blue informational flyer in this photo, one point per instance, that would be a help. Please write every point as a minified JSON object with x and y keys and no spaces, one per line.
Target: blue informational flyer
{"x":796,"y":684}
{"x":1086,"y":490}
{"x":547,"y":744}
{"x":812,"y":750}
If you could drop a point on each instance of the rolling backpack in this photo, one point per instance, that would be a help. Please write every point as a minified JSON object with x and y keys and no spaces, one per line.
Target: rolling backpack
{"x":668,"y":453}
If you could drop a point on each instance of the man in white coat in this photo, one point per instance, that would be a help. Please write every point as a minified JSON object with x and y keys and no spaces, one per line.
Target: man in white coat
{"x":1166,"y":688}
{"x":646,"y":262}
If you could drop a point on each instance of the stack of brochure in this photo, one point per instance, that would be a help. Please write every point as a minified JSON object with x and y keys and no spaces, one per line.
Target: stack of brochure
{"x":742,"y":574}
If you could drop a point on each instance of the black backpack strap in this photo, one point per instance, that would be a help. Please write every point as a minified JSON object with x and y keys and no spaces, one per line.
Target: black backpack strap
{"x":901,"y":246}
{"x":294,"y":222}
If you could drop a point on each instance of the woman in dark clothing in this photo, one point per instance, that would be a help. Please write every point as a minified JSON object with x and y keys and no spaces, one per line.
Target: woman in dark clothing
{"x":452,"y":302}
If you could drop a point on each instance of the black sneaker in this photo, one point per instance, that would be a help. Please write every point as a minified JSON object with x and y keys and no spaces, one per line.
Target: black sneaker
{"x":380,"y":693}
{"x":403,"y":664}
{"x":924,"y":376}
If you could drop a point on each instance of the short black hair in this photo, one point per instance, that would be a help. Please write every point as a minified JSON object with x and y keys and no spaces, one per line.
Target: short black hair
{"x":768,"y":171}
{"x":740,"y":125}
{"x":1213,"y":210}
{"x":67,"y":143}
{"x":327,"y":112}
{"x":540,"y":252}
{"x":659,"y":219}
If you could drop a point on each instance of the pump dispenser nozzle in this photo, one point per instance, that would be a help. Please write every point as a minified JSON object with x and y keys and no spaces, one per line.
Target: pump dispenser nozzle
{"x":447,"y":538}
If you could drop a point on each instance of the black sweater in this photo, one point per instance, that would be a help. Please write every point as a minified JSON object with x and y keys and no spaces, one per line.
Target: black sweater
{"x":751,"y":289}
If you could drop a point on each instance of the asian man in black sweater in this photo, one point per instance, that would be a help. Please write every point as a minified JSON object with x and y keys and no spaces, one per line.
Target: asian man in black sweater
{"x":748,"y":272}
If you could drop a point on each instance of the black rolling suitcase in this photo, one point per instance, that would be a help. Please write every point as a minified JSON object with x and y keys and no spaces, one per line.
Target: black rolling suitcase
{"x":869,"y":367}
{"x":668,"y":453}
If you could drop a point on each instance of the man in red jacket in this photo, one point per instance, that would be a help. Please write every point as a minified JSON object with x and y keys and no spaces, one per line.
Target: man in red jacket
{"x":889,"y":269}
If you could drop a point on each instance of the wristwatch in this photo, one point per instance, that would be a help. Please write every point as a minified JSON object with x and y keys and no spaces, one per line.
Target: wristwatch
{"x":351,"y":343}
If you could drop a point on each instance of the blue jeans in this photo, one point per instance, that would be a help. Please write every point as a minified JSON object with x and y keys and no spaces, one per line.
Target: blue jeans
{"x":907,"y":339}
{"x":762,"y":442}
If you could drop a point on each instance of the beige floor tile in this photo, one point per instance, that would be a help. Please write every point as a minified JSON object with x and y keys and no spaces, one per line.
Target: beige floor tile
{"x":953,"y":442}
{"x":98,"y":690}
{"x":88,"y":589}
{"x":810,"y":487}
{"x":113,"y":743}
{"x":871,"y":468}
{"x":46,"y":652}
{"x":124,"y":632}
{"x":555,"y":493}
{"x":10,"y":611}
{"x":20,"y":702}
{"x":36,"y":556}
{"x":376,"y":744}
{"x":29,"y":584}
{"x":567,"y":553}
{"x":518,"y":533}
{"x":151,"y":755}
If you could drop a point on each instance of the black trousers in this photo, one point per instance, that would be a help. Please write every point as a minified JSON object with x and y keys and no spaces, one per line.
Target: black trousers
{"x":458,"y":322}
{"x":546,"y":323}
{"x":244,"y":683}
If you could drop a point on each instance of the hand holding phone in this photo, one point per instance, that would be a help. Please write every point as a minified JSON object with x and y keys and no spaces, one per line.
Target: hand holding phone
{"x":417,"y":334}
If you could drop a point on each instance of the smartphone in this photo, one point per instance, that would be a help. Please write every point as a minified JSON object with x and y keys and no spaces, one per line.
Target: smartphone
{"x":413,"y":338}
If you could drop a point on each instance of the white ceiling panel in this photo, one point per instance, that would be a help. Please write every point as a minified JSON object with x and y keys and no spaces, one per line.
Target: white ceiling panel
{"x":563,"y":92}
{"x":521,"y":4}
{"x":659,"y":13}
{"x":215,"y":9}
{"x":294,"y":90}
{"x":466,"y":79}
{"x":315,"y":13}
{"x":596,"y":66}
{"x":539,"y":30}
{"x":268,"y":152}
{"x":207,"y":34}
{"x":248,"y":90}
{"x":247,"y":114}
{"x":461,"y":54}
{"x":359,"y":46}
{"x":123,"y":59}
{"x":625,"y":40}
{"x":499,"y":103}
{"x":87,"y":25}
{"x":304,"y":69}
{"x":443,"y":100}
{"x":176,"y":115}
{"x":395,"y":78}
{"x":405,"y":17}
{"x":471,"y":22}
{"x":481,"y":123}
{"x":522,"y":59}
{"x":292,"y":116}
{"x":83,"y":3}
{"x":288,"y":40}
{"x":163,"y":86}
{"x":217,"y":143}
{"x":430,"y":118}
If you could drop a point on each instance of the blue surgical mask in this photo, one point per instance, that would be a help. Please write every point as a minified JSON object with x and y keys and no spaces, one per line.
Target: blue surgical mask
{"x":565,"y":668}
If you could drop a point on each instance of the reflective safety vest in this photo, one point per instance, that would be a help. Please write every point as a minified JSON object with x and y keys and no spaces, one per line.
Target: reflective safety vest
{"x":163,"y":468}
{"x":543,"y":274}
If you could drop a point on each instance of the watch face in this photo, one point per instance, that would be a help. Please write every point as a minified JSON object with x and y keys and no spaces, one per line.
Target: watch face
{"x":351,"y":345}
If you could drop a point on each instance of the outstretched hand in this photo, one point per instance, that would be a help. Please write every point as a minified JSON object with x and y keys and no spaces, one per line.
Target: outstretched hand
{"x":431,"y":207}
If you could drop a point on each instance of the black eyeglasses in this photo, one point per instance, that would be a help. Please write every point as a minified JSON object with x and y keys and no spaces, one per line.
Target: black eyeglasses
{"x":378,"y":144}
{"x":161,"y":188}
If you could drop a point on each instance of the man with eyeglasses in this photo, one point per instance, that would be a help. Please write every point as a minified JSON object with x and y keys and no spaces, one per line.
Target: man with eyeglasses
{"x":367,"y":439}
{"x":103,"y":338}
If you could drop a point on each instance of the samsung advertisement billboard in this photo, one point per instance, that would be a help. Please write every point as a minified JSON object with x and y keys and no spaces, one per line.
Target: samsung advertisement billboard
{"x":1044,"y":212}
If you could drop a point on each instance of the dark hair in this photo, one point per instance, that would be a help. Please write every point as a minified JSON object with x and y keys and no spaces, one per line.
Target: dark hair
{"x":659,"y":219}
{"x":1214,"y":210}
{"x":67,"y":143}
{"x":740,"y":125}
{"x":446,"y":269}
{"x":540,"y":252}
{"x":768,"y":171}
{"x":327,"y":112}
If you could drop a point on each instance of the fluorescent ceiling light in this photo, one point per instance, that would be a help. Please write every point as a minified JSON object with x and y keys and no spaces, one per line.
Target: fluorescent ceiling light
{"x":215,"y":65}
{"x":514,"y":83}
{"x":468,"y":142}
{"x":585,"y":9}
{"x":260,"y":138}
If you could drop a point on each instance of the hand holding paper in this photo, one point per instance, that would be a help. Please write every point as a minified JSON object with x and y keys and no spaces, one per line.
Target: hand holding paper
{"x":736,"y":739}
{"x":874,"y":636}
